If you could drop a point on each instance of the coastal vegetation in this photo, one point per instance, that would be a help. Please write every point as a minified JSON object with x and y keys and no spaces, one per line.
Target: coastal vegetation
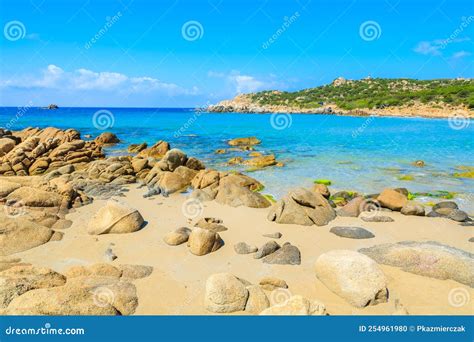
{"x":374,"y":93}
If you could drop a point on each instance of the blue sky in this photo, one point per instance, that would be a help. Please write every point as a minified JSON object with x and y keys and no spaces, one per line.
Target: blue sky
{"x":184,"y":53}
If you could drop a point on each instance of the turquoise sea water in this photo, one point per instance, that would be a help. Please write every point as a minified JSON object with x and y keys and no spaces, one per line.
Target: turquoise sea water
{"x":356,"y":153}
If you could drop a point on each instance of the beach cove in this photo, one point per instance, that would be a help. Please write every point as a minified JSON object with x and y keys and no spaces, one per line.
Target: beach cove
{"x":96,"y":225}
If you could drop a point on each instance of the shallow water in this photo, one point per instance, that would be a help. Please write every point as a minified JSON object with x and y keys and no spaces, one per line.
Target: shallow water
{"x":356,"y":153}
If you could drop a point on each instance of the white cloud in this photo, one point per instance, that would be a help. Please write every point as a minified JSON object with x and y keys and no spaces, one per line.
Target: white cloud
{"x":435,"y":47}
{"x":247,"y":84}
{"x":460,"y":54}
{"x":54,"y":77}
{"x":428,"y":48}
{"x":244,"y":83}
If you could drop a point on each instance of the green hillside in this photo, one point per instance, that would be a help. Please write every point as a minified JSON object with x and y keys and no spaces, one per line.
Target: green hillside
{"x":375,"y":93}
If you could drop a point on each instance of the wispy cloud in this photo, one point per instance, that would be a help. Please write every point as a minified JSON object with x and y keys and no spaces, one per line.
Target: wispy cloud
{"x":436,"y":47}
{"x":460,"y":54}
{"x":54,"y":77}
{"x":428,"y":48}
{"x":244,"y":83}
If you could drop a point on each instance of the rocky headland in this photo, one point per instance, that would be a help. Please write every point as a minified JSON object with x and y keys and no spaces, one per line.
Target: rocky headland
{"x":366,"y":97}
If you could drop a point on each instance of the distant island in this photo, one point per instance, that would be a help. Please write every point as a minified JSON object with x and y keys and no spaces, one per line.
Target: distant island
{"x":369,"y":96}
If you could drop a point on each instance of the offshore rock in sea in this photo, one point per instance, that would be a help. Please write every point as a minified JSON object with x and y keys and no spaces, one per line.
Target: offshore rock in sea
{"x":248,"y":141}
{"x":37,"y":151}
{"x":107,"y":138}
{"x":303,"y":207}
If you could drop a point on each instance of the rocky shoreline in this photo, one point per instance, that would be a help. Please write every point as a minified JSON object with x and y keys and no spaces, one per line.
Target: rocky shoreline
{"x":88,"y":234}
{"x":245,"y":104}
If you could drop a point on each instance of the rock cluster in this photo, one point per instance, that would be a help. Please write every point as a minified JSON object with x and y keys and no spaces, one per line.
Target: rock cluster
{"x":303,"y":207}
{"x":99,"y":289}
{"x":233,"y":189}
{"x":33,"y":210}
{"x":201,"y":241}
{"x":34,"y":151}
{"x":173,"y":173}
{"x":271,"y":252}
{"x":449,"y":210}
{"x":227,"y":293}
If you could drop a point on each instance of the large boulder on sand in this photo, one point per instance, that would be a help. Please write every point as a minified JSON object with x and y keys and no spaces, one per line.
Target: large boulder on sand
{"x":304,"y":207}
{"x":430,"y":259}
{"x":296,"y":306}
{"x":115,"y":218}
{"x":353,"y":276}
{"x":18,"y":234}
{"x":233,"y":191}
{"x":33,"y":197}
{"x":225,"y":293}
{"x":177,"y":237}
{"x":21,"y":278}
{"x":257,"y":301}
{"x":228,"y":188}
{"x":99,"y":289}
{"x":202,"y":241}
{"x":413,"y":209}
{"x":353,"y":208}
{"x":286,"y":255}
{"x":392,"y":199}
{"x":79,"y":296}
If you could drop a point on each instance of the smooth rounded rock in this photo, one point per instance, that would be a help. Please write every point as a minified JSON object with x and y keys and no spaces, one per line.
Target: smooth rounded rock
{"x":353,"y":276}
{"x":225,"y":293}
{"x":352,"y":232}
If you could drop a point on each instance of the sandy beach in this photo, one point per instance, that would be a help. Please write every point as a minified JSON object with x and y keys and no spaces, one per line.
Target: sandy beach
{"x":177,"y":284}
